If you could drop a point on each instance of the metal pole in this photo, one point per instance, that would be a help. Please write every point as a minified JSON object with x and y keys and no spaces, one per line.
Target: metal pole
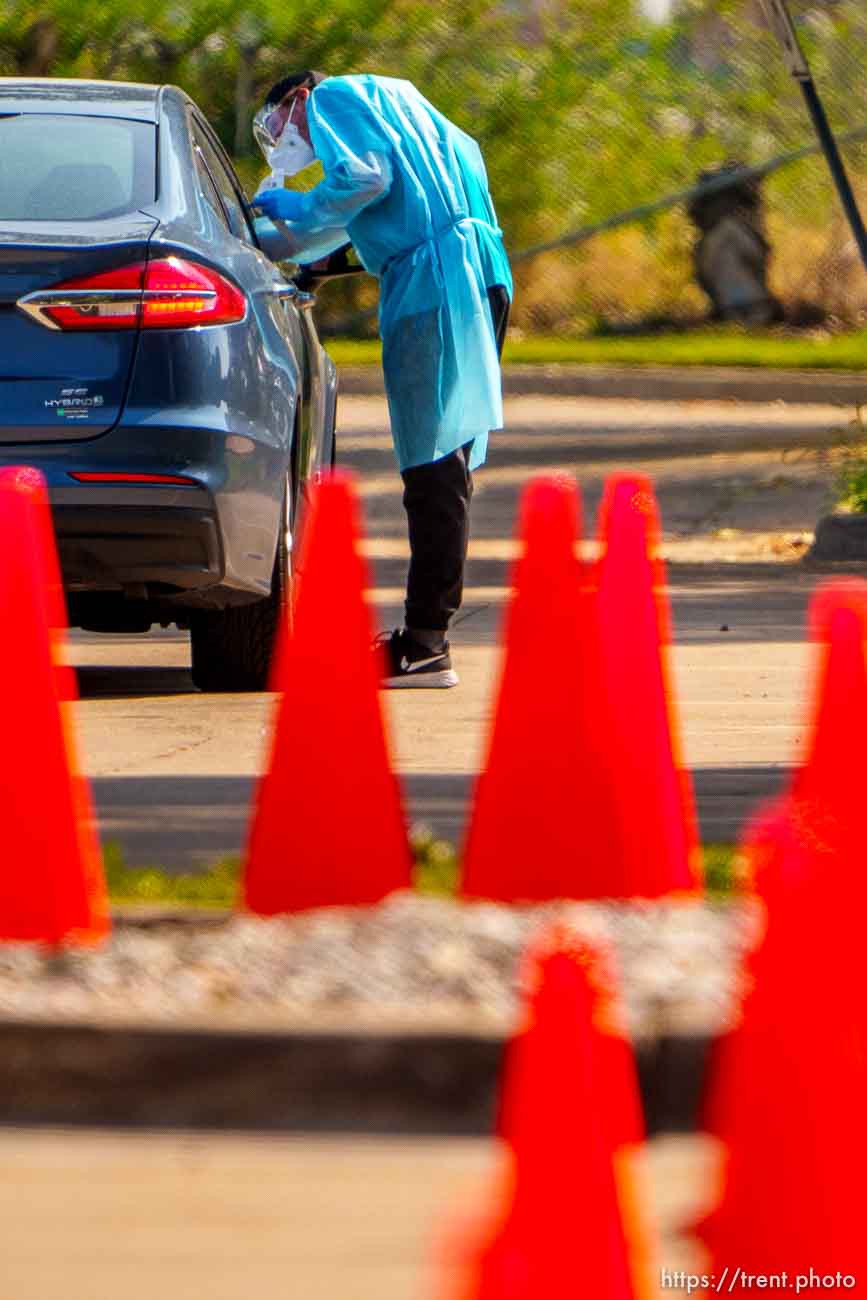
{"x":836,"y":166}
{"x":782,"y":25}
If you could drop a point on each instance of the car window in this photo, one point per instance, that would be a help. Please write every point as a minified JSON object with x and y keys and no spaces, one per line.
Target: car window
{"x":209,"y":189}
{"x":226,"y":185}
{"x":66,"y":167}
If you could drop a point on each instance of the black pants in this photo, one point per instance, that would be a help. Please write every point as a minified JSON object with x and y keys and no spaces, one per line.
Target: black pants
{"x":437,"y":502}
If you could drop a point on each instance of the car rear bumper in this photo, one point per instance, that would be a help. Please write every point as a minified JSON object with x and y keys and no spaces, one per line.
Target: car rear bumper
{"x":203,"y":543}
{"x":163,"y":549}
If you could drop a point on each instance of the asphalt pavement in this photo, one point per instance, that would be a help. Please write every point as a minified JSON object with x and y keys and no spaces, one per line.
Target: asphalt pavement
{"x":102,"y":1215}
{"x":740,"y":485}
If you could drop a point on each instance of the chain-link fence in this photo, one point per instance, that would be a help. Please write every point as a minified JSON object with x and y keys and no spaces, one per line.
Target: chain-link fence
{"x":762,"y":239}
{"x":596,"y":118}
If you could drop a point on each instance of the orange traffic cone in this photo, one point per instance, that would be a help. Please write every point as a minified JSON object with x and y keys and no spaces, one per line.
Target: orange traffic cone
{"x":52,"y":888}
{"x":544,"y":821}
{"x":786,"y":1092}
{"x":567,"y":1222}
{"x":819,"y":813}
{"x":828,"y":791}
{"x":328,"y":828}
{"x":660,"y":844}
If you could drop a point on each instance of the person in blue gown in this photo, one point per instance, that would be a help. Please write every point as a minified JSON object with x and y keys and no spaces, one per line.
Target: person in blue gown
{"x":409,"y":190}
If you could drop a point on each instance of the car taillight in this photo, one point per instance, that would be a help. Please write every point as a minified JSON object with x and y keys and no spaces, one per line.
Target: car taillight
{"x":109,"y":301}
{"x":181,"y":293}
{"x":171,"y":293}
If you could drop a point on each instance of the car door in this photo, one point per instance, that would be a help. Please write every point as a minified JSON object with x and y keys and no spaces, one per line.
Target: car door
{"x":313,"y":440}
{"x":254,"y":270}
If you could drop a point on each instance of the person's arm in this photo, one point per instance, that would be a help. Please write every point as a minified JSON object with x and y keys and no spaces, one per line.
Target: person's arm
{"x":346,"y":190}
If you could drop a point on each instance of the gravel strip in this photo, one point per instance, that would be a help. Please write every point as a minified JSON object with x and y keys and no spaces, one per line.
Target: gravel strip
{"x":412,"y":962}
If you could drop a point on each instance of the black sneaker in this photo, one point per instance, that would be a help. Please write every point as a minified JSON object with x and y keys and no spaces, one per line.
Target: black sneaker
{"x":411,"y":665}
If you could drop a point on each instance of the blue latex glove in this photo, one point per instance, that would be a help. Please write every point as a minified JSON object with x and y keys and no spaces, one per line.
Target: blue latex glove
{"x":280,"y":205}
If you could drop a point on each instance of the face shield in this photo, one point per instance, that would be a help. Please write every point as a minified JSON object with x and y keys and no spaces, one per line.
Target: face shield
{"x":268,"y":126}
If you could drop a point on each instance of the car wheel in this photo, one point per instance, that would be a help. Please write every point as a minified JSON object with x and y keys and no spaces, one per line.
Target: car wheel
{"x":232,"y":648}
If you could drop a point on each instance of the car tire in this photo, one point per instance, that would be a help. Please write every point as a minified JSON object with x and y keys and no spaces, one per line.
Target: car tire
{"x":232,"y":648}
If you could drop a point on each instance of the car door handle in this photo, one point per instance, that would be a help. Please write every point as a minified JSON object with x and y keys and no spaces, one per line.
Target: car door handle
{"x":291,"y":293}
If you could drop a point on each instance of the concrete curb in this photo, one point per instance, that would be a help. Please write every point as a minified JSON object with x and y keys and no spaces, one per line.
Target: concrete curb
{"x":657,"y":383}
{"x":408,"y":1083}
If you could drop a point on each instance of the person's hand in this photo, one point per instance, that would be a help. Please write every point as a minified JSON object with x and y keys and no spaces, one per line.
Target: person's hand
{"x":279,"y":205}
{"x":270,"y":182}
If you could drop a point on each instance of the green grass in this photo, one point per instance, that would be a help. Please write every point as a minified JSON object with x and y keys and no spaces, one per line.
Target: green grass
{"x":215,"y":886}
{"x":436,"y":872}
{"x":720,"y":866}
{"x":718,"y":347}
{"x":436,"y":863}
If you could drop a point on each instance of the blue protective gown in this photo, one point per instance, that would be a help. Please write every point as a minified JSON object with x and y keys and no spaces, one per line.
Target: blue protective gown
{"x":409,"y":189}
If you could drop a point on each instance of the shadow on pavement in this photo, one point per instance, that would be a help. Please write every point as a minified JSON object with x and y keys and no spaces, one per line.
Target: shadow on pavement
{"x":123,"y":682}
{"x":754,"y":602}
{"x":176,"y":822}
{"x":185,"y":822}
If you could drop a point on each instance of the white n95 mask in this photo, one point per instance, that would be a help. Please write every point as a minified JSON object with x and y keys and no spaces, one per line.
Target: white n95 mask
{"x":291,"y":154}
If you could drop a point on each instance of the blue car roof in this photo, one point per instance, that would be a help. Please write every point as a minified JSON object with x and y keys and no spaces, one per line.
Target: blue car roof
{"x":92,"y":98}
